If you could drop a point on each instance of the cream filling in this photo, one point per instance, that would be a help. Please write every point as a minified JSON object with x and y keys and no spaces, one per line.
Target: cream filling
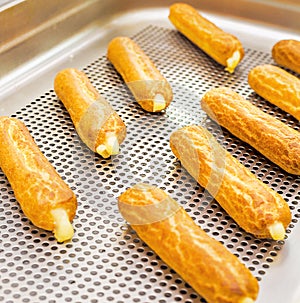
{"x":149,"y":92}
{"x":246,"y":300}
{"x":63,"y":229}
{"x":233,"y":61}
{"x":277,"y":231}
{"x":109,"y":147}
{"x":159,"y":103}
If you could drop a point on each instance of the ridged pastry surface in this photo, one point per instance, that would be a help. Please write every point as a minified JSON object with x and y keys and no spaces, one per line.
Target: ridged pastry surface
{"x":139,"y":73}
{"x":201,"y":261}
{"x":37,"y":186}
{"x":271,"y":137}
{"x":206,"y":35}
{"x":251,"y":203}
{"x":277,"y":86}
{"x":287,"y":54}
{"x":77,"y":94}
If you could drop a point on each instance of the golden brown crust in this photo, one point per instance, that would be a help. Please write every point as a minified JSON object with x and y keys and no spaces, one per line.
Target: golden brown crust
{"x":200,"y":260}
{"x":36,"y":185}
{"x":271,"y":137}
{"x":218,"y":44}
{"x":77,"y":93}
{"x":250,"y":202}
{"x":287,"y":54}
{"x":139,"y":73}
{"x":277,"y":86}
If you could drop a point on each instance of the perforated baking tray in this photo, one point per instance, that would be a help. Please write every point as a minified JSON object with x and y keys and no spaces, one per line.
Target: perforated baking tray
{"x":106,"y":261}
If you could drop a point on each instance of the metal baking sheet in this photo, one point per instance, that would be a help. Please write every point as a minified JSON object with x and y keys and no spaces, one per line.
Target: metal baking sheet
{"x":106,"y":261}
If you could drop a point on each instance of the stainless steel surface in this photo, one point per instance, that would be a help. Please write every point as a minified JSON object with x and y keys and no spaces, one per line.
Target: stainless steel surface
{"x":105,"y":261}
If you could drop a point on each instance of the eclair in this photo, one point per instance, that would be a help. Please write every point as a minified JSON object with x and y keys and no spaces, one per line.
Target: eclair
{"x":286,"y":53}
{"x":203,"y":262}
{"x":254,"y":206}
{"x":46,"y":200}
{"x":96,"y":122}
{"x":224,"y":48}
{"x":277,"y":86}
{"x":149,"y":87}
{"x":274,"y":139}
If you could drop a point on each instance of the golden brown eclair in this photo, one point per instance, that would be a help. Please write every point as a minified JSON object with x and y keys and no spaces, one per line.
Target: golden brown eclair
{"x":204,"y":263}
{"x":271,"y":137}
{"x":223,"y":47}
{"x":149,"y":87}
{"x":277,"y":86}
{"x":97,"y":124}
{"x":287,"y":54}
{"x":44,"y":197}
{"x":252,"y":204}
